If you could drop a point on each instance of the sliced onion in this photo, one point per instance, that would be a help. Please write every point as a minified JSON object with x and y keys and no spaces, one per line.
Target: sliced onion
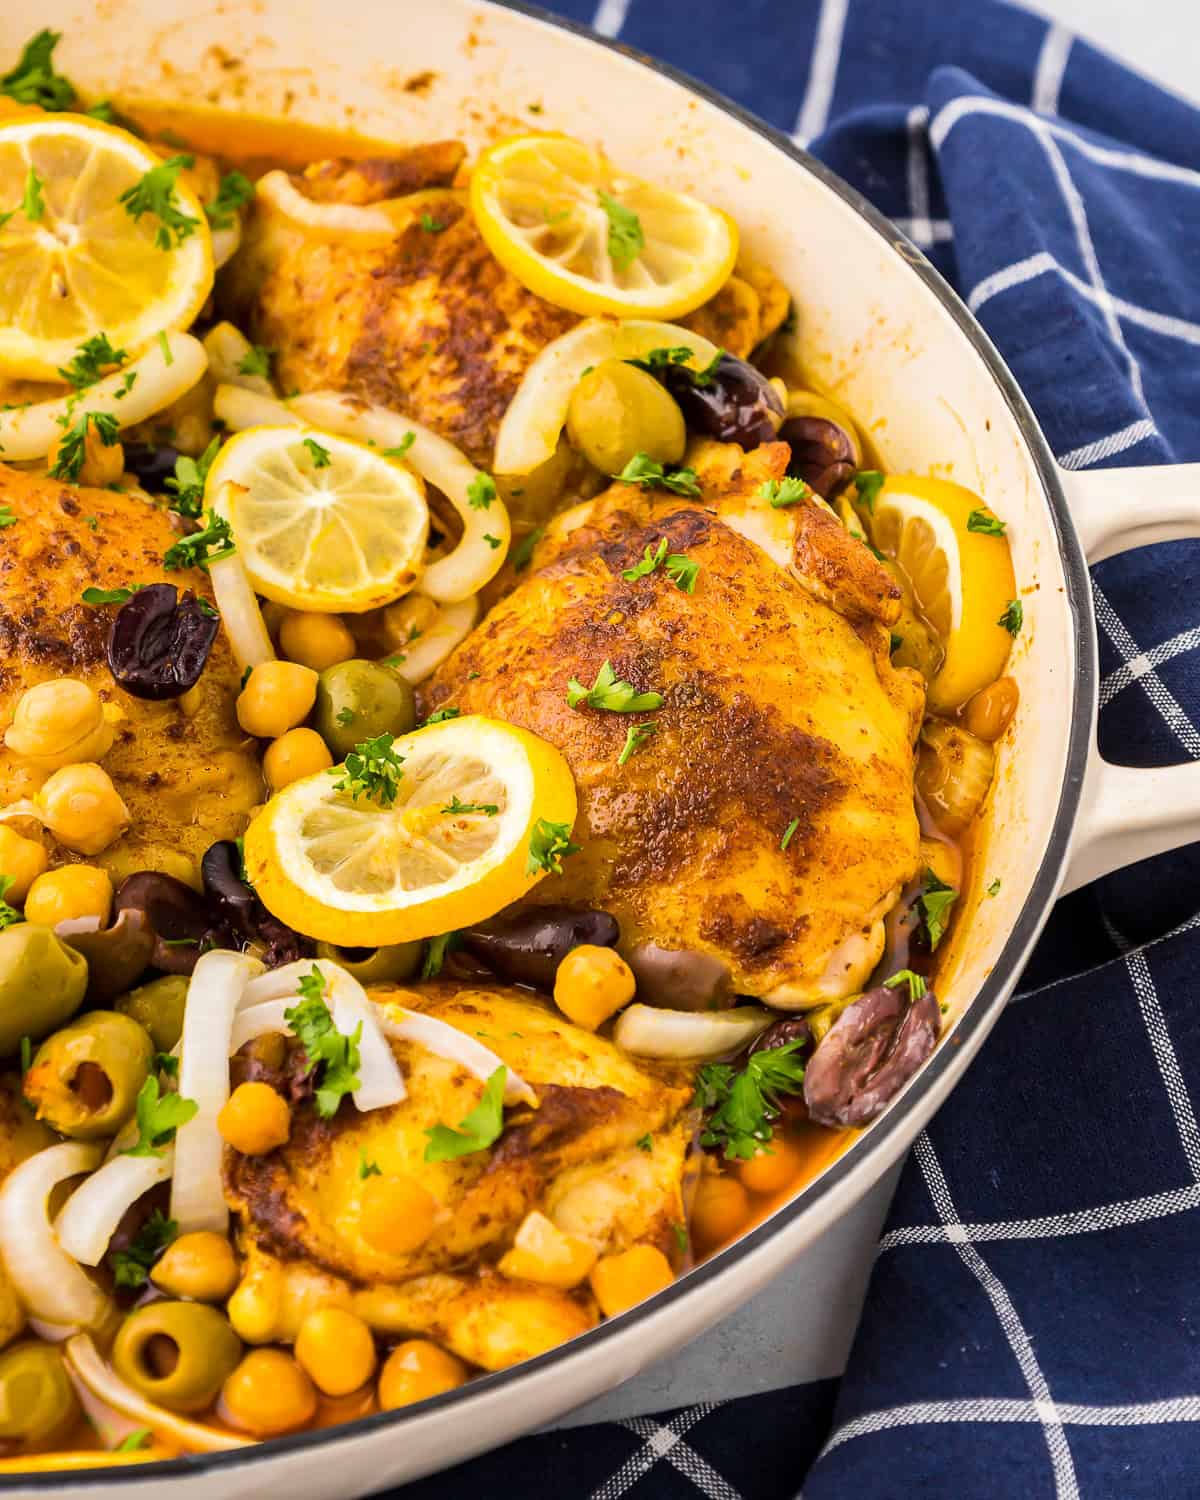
{"x":225,"y":242}
{"x":31,"y":431}
{"x":227,"y":348}
{"x":71,"y":926}
{"x":278,"y":984}
{"x":445,"y":1040}
{"x":50,"y":1285}
{"x":264,"y":1019}
{"x":239,"y":408}
{"x":536,"y":415}
{"x":91,"y":1214}
{"x":647,"y":1031}
{"x":277,"y":191}
{"x":197,"y":1199}
{"x":84,"y":1363}
{"x":241,"y":614}
{"x":421,"y":658}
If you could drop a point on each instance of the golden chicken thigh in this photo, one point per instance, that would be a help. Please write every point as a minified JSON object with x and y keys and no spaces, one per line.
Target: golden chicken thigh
{"x":768,"y":819}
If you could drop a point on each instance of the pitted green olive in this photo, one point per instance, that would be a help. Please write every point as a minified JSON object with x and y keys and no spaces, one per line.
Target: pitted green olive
{"x":84,"y":1080}
{"x":158,"y":1006}
{"x":42,"y":984}
{"x":177,"y":1353}
{"x":356,"y":700}
{"x":37,"y":1400}
{"x":375,"y":965}
{"x":617,"y":411}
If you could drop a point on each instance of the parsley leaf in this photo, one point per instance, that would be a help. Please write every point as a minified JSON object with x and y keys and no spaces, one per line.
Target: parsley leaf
{"x":522,"y":554}
{"x":435,"y":954}
{"x":1013,"y":617}
{"x":659,"y":359}
{"x":650,"y":474}
{"x":916,"y":985}
{"x":158,"y":1118}
{"x":935,"y":902}
{"x":256,"y":362}
{"x":682,"y":572}
{"x":372,"y":769}
{"x":107,"y":596}
{"x":7,"y":518}
{"x":994,"y":888}
{"x":187,"y":485}
{"x":91,"y":361}
{"x":477,"y":1131}
{"x":155,"y":194}
{"x":131,"y":1268}
{"x":9,"y":915}
{"x":611,"y":693}
{"x":746,"y":1104}
{"x":492,"y":541}
{"x":134,"y":1442}
{"x":989,"y":525}
{"x":635,"y":737}
{"x":367,"y":1168}
{"x":325,"y":1047}
{"x":34,"y":81}
{"x":320,"y":456}
{"x":72,"y":446}
{"x":431,"y":225}
{"x":401,"y":447}
{"x":440,"y":715}
{"x":489,"y":809}
{"x":346,"y":716}
{"x":202,"y":548}
{"x":481,"y":491}
{"x":626,"y":241}
{"x":645,"y":1143}
{"x":33,"y":205}
{"x":868,"y":483}
{"x":549,"y":845}
{"x":781,"y":492}
{"x":651,"y":558}
{"x":788,"y":833}
{"x":234,"y":191}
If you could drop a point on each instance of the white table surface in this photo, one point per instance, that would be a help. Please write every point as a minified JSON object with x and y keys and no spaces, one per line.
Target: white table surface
{"x":801,"y":1327}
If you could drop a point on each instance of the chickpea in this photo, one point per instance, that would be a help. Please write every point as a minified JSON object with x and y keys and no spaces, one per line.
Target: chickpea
{"x":103,"y":463}
{"x":542,"y":1253}
{"x":200,"y":1265}
{"x":408,"y":618}
{"x":255,"y":1119}
{"x":82,"y":808}
{"x":416,"y":1370}
{"x":991,"y":710}
{"x":22,"y":860}
{"x":620,"y":1281}
{"x":269,"y":1393}
{"x":278,"y":695}
{"x":397,"y":1214}
{"x":59,"y":723}
{"x":336,"y":1349}
{"x":296,"y":754}
{"x":591,"y":984}
{"x":720,"y":1210}
{"x":769,"y":1171}
{"x":315,"y":640}
{"x":70,"y":892}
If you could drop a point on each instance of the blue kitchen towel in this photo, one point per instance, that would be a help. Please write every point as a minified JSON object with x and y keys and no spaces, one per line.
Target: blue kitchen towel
{"x":1032,"y":1327}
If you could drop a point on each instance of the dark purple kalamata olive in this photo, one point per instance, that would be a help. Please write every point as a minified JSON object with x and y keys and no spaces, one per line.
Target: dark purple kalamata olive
{"x":780,"y":1033}
{"x":151,"y":464}
{"x":233,"y":901}
{"x":158,"y":643}
{"x":871,"y":1050}
{"x":679,"y":979}
{"x":527,"y":946}
{"x":117,"y":956}
{"x":822,"y":453}
{"x":179,"y":918}
{"x":732,"y":402}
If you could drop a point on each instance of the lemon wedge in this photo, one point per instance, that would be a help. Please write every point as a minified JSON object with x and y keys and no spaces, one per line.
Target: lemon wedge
{"x":76,"y":262}
{"x":321,"y":522}
{"x":594,"y":240}
{"x":961,"y":574}
{"x":449,"y":836}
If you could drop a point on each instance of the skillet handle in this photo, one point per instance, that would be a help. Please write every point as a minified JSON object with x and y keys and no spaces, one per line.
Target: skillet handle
{"x":1130,"y":813}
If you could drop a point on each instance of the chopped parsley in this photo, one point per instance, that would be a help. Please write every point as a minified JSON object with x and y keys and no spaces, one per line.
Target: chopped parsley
{"x":635,"y":737}
{"x":155,"y":194}
{"x":788,"y":833}
{"x":257,"y":361}
{"x":9,"y":915}
{"x":134,"y":1442}
{"x":188,"y":481}
{"x":158,"y":1117}
{"x":163,"y":1062}
{"x":868,"y":483}
{"x":492,"y":541}
{"x":72,"y":446}
{"x":131,"y":1268}
{"x":431,"y":225}
{"x":481,"y":491}
{"x":435,"y":954}
{"x":659,"y":359}
{"x":782,"y":492}
{"x":401,"y":447}
{"x":549,"y":845}
{"x":234,"y":192}
{"x":682,"y":572}
{"x":745,"y":1103}
{"x":33,"y":205}
{"x":335,"y":1054}
{"x":1013,"y":617}
{"x":626,"y":240}
{"x":202,"y":548}
{"x":107,"y":596}
{"x":916,"y":985}
{"x":346,"y":717}
{"x":895,"y":642}
{"x":440,"y":715}
{"x":994,"y":888}
{"x":477,"y":1131}
{"x":983,"y":521}
{"x":609,"y":692}
{"x":935,"y":902}
{"x":34,"y":81}
{"x":651,"y":558}
{"x":372,"y":769}
{"x":320,"y":456}
{"x":488,"y":809}
{"x":650,"y":474}
{"x":645,"y":1143}
{"x":127,"y":383}
{"x":26,"y":1055}
{"x":92,"y":361}
{"x":522,"y":554}
{"x":367,"y":1168}
{"x":7,"y":518}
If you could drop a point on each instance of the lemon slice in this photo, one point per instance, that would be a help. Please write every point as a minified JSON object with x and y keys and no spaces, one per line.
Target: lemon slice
{"x":451,"y":849}
{"x":540,"y":203}
{"x":81,"y":265}
{"x":962,"y":579}
{"x":321,"y":522}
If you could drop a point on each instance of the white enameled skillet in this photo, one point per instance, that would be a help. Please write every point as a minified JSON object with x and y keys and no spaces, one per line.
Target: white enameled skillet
{"x":879,"y":330}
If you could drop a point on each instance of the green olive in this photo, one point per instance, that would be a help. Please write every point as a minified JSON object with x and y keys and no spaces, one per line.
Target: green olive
{"x":42,"y":984}
{"x":84,"y":1080}
{"x":37,"y":1400}
{"x":158,"y":1006}
{"x":356,"y":700}
{"x":375,"y":965}
{"x":177,"y":1353}
{"x":617,"y":411}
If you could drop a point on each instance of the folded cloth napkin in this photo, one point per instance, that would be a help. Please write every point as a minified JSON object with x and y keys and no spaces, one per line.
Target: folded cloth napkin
{"x":1031,"y":1327}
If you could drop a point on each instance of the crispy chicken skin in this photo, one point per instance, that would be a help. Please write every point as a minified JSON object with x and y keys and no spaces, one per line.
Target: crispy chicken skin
{"x":780,"y":705}
{"x":186,"y":780}
{"x":574,"y":1157}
